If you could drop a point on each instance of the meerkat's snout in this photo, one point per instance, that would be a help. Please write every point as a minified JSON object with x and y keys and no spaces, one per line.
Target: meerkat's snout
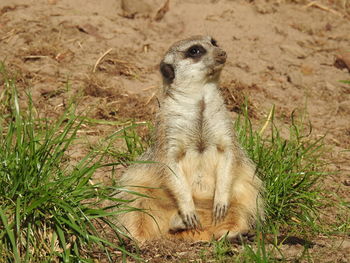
{"x":220,"y":56}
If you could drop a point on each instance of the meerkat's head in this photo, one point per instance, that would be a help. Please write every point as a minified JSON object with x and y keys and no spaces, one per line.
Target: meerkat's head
{"x":194,"y":60}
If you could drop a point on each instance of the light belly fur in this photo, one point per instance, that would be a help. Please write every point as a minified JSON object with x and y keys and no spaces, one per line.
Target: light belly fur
{"x":200,"y":172}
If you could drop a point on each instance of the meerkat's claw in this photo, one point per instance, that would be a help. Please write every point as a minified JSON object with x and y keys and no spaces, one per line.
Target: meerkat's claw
{"x":219,"y":212}
{"x":191,"y":220}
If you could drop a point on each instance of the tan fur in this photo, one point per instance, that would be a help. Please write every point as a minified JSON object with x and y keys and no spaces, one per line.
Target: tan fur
{"x":202,"y":185}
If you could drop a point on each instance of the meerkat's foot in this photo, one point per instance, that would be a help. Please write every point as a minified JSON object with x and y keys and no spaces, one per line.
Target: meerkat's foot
{"x":242,"y":238}
{"x":238,"y":237}
{"x":177,"y":224}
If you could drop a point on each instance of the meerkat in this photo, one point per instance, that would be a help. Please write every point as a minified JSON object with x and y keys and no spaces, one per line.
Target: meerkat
{"x":196,"y":182}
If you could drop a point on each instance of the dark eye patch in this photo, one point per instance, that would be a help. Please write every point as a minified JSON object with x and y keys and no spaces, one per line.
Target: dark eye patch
{"x":213,"y":42}
{"x":195,"y":51}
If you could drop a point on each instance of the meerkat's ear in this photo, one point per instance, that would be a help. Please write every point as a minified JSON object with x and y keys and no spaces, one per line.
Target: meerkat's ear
{"x":168,"y":72}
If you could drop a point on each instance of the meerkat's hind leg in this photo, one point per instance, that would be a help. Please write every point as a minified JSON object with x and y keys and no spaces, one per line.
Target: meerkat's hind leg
{"x":150,"y":207}
{"x":177,"y":224}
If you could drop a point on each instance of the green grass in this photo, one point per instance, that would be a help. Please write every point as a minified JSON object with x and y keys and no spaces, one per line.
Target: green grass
{"x":345,"y":81}
{"x":49,"y":209}
{"x":135,"y":145}
{"x":290,"y":167}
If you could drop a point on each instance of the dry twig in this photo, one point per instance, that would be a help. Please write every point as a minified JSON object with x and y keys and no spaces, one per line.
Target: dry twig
{"x":100,"y":59}
{"x":150,"y":98}
{"x":323,"y":7}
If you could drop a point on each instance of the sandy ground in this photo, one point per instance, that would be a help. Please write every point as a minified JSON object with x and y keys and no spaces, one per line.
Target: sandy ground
{"x":291,"y":54}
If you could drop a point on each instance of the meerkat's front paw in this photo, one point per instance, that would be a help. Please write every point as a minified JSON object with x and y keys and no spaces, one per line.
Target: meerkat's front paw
{"x":191,"y":219}
{"x":219,"y":211}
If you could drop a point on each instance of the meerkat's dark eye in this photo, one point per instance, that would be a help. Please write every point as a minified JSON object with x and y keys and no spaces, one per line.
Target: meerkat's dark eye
{"x":195,"y":51}
{"x":213,"y":42}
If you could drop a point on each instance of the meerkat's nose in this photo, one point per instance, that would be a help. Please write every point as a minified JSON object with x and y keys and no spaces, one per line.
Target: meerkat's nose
{"x":220,"y":56}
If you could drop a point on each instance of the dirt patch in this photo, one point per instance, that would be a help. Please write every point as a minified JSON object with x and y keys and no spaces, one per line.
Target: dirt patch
{"x":116,"y":104}
{"x":291,"y":54}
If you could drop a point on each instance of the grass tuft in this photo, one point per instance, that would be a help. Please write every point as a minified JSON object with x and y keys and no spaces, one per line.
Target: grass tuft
{"x":289,"y":167}
{"x":49,"y":209}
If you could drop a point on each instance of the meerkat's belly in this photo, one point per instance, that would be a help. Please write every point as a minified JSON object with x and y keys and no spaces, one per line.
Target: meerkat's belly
{"x":200,"y":133}
{"x":200,"y":172}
